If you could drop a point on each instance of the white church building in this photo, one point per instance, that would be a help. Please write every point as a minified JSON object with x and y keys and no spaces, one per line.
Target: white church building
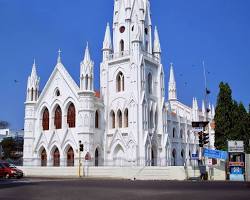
{"x":129,"y":122}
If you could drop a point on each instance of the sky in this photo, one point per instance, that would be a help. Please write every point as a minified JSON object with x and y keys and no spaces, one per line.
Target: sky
{"x":214,"y":31}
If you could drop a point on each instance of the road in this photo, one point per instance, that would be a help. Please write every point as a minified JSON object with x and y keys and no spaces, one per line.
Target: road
{"x":64,"y":189}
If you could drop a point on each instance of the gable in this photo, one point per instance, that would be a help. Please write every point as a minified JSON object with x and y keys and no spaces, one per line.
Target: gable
{"x":61,"y":81}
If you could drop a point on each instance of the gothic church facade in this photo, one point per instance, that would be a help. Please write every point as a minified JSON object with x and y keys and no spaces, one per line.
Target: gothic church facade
{"x":129,"y":122}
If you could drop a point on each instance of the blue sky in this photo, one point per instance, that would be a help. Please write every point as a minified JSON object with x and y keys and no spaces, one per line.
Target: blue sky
{"x":216,"y":31}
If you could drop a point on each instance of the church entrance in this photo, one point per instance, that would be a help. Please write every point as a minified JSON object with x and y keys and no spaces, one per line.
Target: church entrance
{"x":174,"y":158}
{"x":56,"y":158}
{"x":96,"y":157}
{"x":70,"y":157}
{"x":44,"y":158}
{"x":152,"y":158}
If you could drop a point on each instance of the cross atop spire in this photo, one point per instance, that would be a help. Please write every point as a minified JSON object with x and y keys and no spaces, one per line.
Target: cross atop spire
{"x":59,"y":60}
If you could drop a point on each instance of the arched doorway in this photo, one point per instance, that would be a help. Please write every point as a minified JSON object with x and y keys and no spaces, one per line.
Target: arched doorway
{"x":174,"y":158}
{"x":70,"y":157}
{"x":152,"y":158}
{"x":96,"y":158}
{"x":119,"y":156}
{"x":56,"y":158}
{"x":43,"y":158}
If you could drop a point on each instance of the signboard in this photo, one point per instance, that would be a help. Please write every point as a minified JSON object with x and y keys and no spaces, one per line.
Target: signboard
{"x":198,"y":129}
{"x":88,"y":156}
{"x":238,"y":164}
{"x":194,"y":156}
{"x":199,"y":124}
{"x":210,"y":162}
{"x":210,"y":153}
{"x":235,"y":146}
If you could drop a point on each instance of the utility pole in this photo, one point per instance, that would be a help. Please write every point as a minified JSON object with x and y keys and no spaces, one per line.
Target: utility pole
{"x":207,"y":110}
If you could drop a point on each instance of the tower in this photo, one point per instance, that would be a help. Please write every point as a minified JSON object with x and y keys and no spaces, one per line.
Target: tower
{"x":172,"y":93}
{"x":29,"y":120}
{"x":132,"y":86}
{"x":107,"y":44}
{"x":33,"y":85}
{"x":87,"y":73}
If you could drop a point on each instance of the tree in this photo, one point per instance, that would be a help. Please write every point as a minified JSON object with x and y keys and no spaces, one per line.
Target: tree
{"x":4,"y":124}
{"x":223,"y":116}
{"x":231,"y":118}
{"x":8,"y":145}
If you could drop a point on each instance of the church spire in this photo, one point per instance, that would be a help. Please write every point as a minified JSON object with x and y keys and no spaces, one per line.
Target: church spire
{"x":33,"y":84}
{"x":87,"y":58}
{"x":172,"y":94}
{"x":87,"y":72}
{"x":157,"y":45}
{"x":107,"y":43}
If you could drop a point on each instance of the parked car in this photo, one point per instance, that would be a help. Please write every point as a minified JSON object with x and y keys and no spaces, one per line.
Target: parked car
{"x":10,"y":171}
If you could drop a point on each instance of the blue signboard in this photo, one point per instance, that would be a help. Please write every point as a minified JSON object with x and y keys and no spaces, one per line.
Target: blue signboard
{"x":210,"y":153}
{"x":195,"y":157}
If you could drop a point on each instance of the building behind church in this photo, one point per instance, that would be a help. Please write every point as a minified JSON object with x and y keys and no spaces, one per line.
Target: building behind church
{"x":129,"y":122}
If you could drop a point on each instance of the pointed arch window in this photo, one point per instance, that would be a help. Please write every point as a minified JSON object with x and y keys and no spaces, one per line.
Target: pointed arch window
{"x":112,"y":119}
{"x":32,"y":94}
{"x":120,"y":82}
{"x":97,"y":125}
{"x":119,"y":118}
{"x":150,"y":83}
{"x":87,"y":82}
{"x":156,"y":120}
{"x":71,"y":116}
{"x":173,"y":132}
{"x":58,"y":118}
{"x":126,"y":118}
{"x":45,"y":120}
{"x":151,"y":123}
{"x":121,"y":46}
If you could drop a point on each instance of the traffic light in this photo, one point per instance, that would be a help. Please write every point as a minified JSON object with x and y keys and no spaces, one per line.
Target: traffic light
{"x":208,"y":91}
{"x":206,"y":138}
{"x":201,"y":139}
{"x":81,"y":147}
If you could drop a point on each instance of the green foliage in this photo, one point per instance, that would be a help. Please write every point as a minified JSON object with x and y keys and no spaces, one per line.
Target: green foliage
{"x":12,"y":147}
{"x":232,"y":120}
{"x":8,"y":145}
{"x":223,"y":116}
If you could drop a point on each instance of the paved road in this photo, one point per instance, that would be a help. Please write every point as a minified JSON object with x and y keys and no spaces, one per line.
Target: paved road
{"x":48,"y":189}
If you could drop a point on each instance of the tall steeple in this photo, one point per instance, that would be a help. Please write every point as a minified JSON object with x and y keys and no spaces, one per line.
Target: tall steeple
{"x":126,"y":14}
{"x":157,"y":45}
{"x":172,"y":93}
{"x":86,"y":72}
{"x":33,"y":85}
{"x":107,"y":43}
